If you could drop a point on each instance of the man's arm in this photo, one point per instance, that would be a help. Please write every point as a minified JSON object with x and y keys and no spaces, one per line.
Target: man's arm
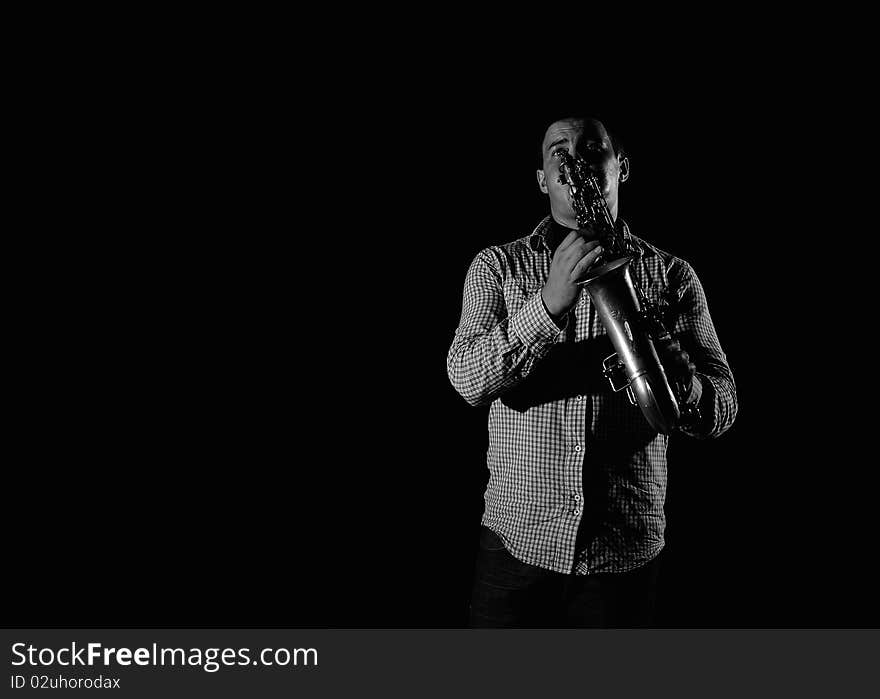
{"x":713,"y":386}
{"x":491,"y":351}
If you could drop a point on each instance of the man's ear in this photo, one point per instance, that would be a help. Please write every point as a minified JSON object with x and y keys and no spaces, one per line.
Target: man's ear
{"x":624,"y":168}
{"x":542,"y":182}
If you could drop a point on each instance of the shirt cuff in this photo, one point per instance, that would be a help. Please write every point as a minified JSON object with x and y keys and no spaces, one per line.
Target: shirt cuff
{"x":533,"y":324}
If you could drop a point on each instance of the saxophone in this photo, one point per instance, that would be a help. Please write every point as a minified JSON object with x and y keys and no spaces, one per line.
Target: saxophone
{"x":632,"y":322}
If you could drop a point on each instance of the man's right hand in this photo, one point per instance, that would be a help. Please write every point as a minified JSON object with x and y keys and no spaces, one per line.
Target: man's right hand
{"x":572,"y":259}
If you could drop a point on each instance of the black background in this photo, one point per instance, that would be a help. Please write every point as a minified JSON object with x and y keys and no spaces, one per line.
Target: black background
{"x":241,"y":271}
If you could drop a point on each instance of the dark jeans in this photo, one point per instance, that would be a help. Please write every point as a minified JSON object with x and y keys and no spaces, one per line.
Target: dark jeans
{"x":510,"y":593}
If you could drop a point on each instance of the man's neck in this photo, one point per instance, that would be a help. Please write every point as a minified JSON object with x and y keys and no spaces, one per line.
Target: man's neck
{"x":564,"y":222}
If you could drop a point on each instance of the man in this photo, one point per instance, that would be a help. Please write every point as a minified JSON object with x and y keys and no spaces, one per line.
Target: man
{"x":573,"y":521}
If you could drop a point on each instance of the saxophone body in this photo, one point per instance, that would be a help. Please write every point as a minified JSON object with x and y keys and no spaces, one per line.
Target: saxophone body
{"x":632,"y":323}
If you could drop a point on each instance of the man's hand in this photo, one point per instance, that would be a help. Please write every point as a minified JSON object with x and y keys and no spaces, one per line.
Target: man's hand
{"x":677,"y":363}
{"x":572,"y":258}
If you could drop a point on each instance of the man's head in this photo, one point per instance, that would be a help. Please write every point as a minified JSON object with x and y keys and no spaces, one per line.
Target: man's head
{"x":588,"y":138}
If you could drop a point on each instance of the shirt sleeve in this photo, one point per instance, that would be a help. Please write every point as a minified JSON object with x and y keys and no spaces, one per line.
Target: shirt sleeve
{"x":695,"y":332}
{"x":493,"y":351}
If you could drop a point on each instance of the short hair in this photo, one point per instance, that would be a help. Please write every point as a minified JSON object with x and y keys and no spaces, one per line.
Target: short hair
{"x":616,"y":144}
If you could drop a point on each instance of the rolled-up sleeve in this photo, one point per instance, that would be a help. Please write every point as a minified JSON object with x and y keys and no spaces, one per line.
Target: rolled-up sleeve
{"x":696,"y":333}
{"x":492,"y":351}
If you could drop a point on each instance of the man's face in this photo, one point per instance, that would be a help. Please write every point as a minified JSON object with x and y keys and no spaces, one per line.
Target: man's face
{"x":590,"y":141}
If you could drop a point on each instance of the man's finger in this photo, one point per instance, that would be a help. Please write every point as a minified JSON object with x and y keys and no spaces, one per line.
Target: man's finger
{"x":584,"y":264}
{"x":588,"y":233}
{"x":680,"y":360}
{"x":680,"y":356}
{"x":577,"y":250}
{"x":566,"y":241}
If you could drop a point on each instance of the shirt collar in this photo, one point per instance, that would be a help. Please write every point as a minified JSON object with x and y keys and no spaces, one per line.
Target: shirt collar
{"x":548,"y":234}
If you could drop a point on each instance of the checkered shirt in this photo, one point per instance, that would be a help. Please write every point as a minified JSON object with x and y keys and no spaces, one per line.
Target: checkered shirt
{"x":577,"y":477}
